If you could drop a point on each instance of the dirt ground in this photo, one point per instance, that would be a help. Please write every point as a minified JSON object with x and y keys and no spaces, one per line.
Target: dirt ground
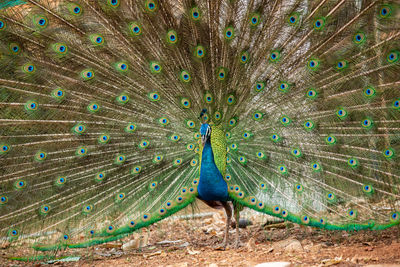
{"x":188,"y":241}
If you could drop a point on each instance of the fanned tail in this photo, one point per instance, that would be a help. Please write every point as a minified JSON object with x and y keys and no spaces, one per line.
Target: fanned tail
{"x":93,"y":142}
{"x":319,"y":146}
{"x":100,"y":104}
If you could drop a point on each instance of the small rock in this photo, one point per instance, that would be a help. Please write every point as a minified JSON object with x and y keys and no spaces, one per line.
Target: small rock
{"x":294,"y":246}
{"x":243,"y":223}
{"x":137,"y":242}
{"x":132,"y":244}
{"x":288,"y":245}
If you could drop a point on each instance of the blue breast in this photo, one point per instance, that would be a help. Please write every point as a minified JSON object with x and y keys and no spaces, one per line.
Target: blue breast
{"x":211,"y":186}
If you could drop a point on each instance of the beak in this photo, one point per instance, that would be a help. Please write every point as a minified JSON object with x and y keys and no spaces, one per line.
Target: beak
{"x":203,"y":140}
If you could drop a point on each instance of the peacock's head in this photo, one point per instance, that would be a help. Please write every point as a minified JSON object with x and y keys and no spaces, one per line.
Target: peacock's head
{"x":205,"y":132}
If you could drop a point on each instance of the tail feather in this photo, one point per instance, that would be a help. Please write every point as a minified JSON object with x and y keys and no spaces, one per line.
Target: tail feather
{"x":100,"y":104}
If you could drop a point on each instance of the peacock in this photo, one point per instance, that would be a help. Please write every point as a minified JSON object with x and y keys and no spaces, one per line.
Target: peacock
{"x":116,"y":114}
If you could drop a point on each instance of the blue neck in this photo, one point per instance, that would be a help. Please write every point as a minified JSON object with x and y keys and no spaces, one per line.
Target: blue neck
{"x":211,"y":186}
{"x":208,"y":155}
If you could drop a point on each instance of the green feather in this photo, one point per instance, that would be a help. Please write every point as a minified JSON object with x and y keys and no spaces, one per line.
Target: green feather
{"x":100,"y":104}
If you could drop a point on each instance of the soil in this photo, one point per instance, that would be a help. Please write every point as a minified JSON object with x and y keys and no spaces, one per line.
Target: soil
{"x":196,"y":241}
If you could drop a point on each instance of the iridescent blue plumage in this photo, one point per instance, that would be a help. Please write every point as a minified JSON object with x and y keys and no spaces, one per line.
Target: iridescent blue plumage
{"x":211,"y":186}
{"x":100,"y":103}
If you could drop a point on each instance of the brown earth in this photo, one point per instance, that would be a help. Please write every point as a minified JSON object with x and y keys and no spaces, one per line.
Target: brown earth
{"x":197,"y":240}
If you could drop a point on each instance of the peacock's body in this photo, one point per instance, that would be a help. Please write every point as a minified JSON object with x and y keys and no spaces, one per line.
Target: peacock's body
{"x":299,"y":105}
{"x":212,"y":186}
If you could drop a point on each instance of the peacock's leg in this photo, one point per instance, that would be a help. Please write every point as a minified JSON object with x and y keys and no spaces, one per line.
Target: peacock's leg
{"x":228,"y":211}
{"x":236,"y":210}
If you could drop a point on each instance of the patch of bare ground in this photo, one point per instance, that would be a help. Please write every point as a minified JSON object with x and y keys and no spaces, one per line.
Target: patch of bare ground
{"x":195,"y":242}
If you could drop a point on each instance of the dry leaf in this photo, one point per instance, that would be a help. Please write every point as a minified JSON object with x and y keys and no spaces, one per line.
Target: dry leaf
{"x":251,"y":244}
{"x":152,"y":254}
{"x":330,"y":262}
{"x":192,"y":252}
